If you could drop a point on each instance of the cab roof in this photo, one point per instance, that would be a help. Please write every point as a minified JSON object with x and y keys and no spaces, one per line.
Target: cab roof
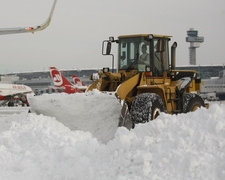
{"x":144,"y":35}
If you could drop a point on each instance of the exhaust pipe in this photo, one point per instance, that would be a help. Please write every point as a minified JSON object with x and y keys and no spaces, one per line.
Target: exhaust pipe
{"x":173,"y":56}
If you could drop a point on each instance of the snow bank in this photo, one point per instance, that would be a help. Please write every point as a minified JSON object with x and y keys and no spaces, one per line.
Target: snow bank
{"x":93,"y":112}
{"x":185,"y":146}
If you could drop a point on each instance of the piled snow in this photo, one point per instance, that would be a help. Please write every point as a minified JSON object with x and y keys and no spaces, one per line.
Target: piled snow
{"x":185,"y":146}
{"x":93,"y":112}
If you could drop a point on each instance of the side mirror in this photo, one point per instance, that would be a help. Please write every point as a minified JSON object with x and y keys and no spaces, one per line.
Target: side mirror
{"x":108,"y":48}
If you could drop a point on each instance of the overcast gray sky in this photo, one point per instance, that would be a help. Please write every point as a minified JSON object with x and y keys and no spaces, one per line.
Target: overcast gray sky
{"x":78,"y":27}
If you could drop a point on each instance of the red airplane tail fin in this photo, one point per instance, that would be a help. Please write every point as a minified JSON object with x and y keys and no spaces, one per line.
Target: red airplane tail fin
{"x":77,"y":81}
{"x":59,"y":79}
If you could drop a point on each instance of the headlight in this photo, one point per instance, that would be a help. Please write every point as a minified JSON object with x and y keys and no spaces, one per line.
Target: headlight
{"x":111,"y":38}
{"x":147,"y":68}
{"x":105,"y":70}
{"x":94,"y":76}
{"x":150,"y":36}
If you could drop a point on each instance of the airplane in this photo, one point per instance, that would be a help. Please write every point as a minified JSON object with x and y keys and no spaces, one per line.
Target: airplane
{"x":11,"y":93}
{"x":31,"y":29}
{"x":77,"y":82}
{"x":60,"y":81}
{"x":53,"y":89}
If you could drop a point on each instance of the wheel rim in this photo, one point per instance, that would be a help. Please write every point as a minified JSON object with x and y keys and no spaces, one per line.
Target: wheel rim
{"x":156,"y":113}
{"x":195,"y":108}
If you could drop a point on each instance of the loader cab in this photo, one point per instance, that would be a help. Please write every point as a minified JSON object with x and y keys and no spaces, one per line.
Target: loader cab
{"x":143,"y":52}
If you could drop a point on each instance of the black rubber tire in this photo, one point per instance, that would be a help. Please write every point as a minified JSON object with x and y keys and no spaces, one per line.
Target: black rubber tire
{"x":10,"y":104}
{"x":146,"y":107}
{"x":191,"y":102}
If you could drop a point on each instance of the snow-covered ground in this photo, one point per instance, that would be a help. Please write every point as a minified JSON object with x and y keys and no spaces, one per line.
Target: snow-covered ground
{"x":40,"y":147}
{"x":6,"y":111}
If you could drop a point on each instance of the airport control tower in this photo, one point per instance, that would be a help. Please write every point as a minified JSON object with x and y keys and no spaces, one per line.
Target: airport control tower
{"x":195,"y":41}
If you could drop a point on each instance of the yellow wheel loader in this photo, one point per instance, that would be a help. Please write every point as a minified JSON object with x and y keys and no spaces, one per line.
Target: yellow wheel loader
{"x":147,"y":81}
